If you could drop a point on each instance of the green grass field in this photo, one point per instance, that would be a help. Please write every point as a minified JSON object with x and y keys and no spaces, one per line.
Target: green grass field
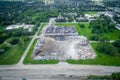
{"x":91,"y":12}
{"x":13,"y":55}
{"x":113,"y":35}
{"x":29,"y":60}
{"x":2,"y":28}
{"x":40,"y":31}
{"x":101,"y":59}
{"x":87,"y":31}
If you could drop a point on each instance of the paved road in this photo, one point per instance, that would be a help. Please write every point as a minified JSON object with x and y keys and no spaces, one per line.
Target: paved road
{"x":61,"y":71}
{"x":30,"y":44}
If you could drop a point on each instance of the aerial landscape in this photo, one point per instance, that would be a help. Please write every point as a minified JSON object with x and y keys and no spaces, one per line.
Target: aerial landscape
{"x":59,"y":39}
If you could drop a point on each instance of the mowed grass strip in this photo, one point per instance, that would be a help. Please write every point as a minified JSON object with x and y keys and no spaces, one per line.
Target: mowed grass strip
{"x":101,"y":59}
{"x":29,"y":59}
{"x":42,"y":26}
{"x":91,"y":12}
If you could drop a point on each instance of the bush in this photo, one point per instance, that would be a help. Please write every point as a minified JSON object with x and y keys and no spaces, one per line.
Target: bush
{"x":93,"y":77}
{"x":115,"y":76}
{"x":118,"y":50}
{"x":94,"y":37}
{"x":3,"y":47}
{"x":103,"y":38}
{"x":14,"y":40}
{"x":106,"y":48}
{"x":81,"y":25}
{"x":116,"y":43}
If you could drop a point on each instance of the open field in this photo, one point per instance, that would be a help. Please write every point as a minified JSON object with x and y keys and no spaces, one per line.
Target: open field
{"x":101,"y":59}
{"x":13,"y":55}
{"x":29,"y":60}
{"x":86,"y":31}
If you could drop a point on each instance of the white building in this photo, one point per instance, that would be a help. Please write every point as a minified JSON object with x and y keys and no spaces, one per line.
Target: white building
{"x":17,"y":26}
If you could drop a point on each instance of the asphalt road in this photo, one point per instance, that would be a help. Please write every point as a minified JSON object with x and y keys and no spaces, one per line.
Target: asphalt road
{"x":61,"y":71}
{"x":28,"y":48}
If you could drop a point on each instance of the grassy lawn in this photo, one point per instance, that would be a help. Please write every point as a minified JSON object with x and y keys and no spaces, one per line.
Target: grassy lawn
{"x":13,"y":55}
{"x":113,"y":35}
{"x":40,"y":31}
{"x":101,"y":59}
{"x":91,"y":12}
{"x":86,"y":31}
{"x":29,"y":60}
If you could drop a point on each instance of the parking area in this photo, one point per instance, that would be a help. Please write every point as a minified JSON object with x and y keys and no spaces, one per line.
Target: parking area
{"x":61,"y":32}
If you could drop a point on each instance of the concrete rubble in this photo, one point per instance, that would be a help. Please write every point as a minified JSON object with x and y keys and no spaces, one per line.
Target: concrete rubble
{"x":62,"y":43}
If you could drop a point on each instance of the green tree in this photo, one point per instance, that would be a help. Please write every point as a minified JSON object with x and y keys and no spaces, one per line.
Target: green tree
{"x":116,"y":43}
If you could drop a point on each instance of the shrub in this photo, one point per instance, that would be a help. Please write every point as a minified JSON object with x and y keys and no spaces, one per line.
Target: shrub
{"x":115,"y":76}
{"x":81,"y":25}
{"x":94,"y":37}
{"x":3,"y":47}
{"x":14,"y":40}
{"x":103,"y":38}
{"x":116,"y":43}
{"x":106,"y":48}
